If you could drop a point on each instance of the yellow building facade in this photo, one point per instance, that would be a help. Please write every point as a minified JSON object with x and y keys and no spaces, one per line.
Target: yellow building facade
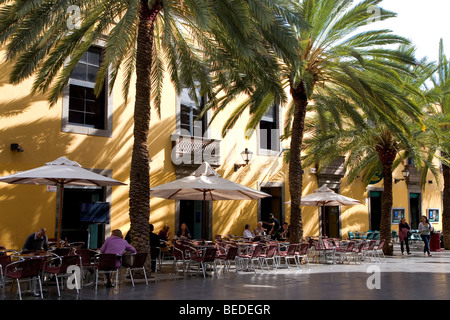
{"x":101,"y":139}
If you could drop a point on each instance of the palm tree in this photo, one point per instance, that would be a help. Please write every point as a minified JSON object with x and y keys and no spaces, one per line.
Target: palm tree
{"x":370,"y":149}
{"x":438,"y":118}
{"x":332,"y":57}
{"x":374,"y":143}
{"x":146,"y":38}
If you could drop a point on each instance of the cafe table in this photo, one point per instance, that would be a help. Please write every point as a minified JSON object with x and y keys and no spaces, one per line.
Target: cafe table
{"x":17,"y":256}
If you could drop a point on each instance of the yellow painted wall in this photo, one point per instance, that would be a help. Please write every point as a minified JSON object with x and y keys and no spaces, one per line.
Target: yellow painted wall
{"x":28,"y":120}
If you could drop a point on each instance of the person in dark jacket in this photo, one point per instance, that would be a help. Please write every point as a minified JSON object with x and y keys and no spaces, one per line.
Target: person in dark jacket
{"x":36,"y":241}
{"x":403,"y":229}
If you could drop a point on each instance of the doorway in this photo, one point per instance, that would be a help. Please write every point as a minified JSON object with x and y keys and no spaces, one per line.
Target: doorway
{"x":271,"y":204}
{"x":83,"y":207}
{"x":375,"y":209}
{"x":331,"y":223}
{"x":198,"y":222}
{"x":415,"y":211}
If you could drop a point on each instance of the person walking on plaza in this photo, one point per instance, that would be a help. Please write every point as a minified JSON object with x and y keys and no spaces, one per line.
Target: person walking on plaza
{"x":403,"y":229}
{"x":425,"y":229}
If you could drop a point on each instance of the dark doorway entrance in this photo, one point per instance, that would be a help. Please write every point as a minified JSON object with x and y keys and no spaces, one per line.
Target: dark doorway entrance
{"x":332,"y":225}
{"x":414,"y":209}
{"x":191,"y":213}
{"x":72,"y":225}
{"x":271,"y":204}
{"x":375,"y":209}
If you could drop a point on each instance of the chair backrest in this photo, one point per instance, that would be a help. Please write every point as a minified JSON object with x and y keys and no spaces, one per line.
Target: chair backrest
{"x":210,"y":254}
{"x":69,"y":260}
{"x":360,"y":247}
{"x":271,"y":251}
{"x":257,"y":251}
{"x":86,"y":256}
{"x":232,"y":252}
{"x":139,"y":259}
{"x":371,"y":245}
{"x":292,"y":249}
{"x":107,"y":261}
{"x":31,"y":267}
{"x":63,"y":251}
{"x":220,"y":249}
{"x":316,"y":245}
{"x":380,"y":245}
{"x":369,"y":235}
{"x":303,"y":248}
{"x":351,"y":235}
{"x":4,"y":261}
{"x":178,"y":251}
{"x":350,"y":246}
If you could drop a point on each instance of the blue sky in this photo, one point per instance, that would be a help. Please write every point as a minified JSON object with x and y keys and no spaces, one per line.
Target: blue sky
{"x":424,"y":22}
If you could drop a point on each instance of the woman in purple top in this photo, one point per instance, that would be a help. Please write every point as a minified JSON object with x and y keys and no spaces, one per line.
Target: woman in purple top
{"x":116,"y":244}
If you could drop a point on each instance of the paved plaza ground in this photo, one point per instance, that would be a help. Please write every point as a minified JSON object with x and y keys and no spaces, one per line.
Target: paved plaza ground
{"x":413,"y":277}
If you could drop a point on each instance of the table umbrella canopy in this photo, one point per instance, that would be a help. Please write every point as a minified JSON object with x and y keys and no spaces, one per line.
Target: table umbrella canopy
{"x":59,"y":173}
{"x":324,"y":196}
{"x":207,"y":185}
{"x":62,"y":171}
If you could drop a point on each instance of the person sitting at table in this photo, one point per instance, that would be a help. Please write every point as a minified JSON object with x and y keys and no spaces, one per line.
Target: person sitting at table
{"x":259,"y":230}
{"x":184,"y":233}
{"x":155,"y":247}
{"x":248,"y":234}
{"x":116,"y":244}
{"x":36,"y":241}
{"x":283,"y":232}
{"x":164,"y":233}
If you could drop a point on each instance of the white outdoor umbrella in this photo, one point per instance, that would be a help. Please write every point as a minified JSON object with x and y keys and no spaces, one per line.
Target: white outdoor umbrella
{"x":324,"y":196}
{"x":205,"y":184}
{"x":59,"y":173}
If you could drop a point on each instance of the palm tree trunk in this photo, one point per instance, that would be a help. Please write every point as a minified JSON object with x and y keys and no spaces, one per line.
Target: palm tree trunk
{"x":295,"y":164}
{"x":387,"y":156}
{"x":140,"y":166}
{"x":446,"y":206}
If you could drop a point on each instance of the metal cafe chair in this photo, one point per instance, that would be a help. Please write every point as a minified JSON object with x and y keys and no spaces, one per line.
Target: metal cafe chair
{"x":135,"y":262}
{"x":270,"y":254}
{"x":26,"y":269}
{"x":106,"y":264}
{"x":253,"y":256}
{"x":289,"y":254}
{"x":4,"y":261}
{"x":61,"y":270}
{"x":229,"y":257}
{"x":207,"y":257}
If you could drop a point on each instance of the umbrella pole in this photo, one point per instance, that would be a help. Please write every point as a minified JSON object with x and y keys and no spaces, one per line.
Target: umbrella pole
{"x":324,"y":222}
{"x":58,"y":235}
{"x":204,"y":216}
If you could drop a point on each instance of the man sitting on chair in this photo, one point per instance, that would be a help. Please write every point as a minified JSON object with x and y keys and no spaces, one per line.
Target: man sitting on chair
{"x":36,"y":241}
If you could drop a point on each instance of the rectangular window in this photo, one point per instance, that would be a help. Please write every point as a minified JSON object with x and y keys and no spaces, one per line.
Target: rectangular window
{"x":83,"y":111}
{"x":269,"y":135}
{"x":189,"y":113}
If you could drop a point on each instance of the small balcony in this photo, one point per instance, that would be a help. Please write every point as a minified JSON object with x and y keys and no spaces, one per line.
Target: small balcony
{"x":191,"y":151}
